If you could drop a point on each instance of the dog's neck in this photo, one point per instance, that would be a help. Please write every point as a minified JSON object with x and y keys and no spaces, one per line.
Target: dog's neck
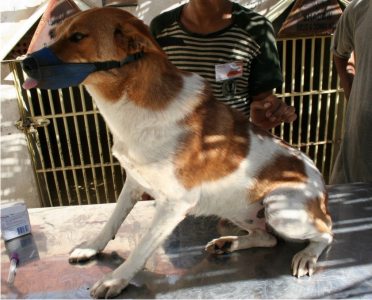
{"x":151,"y":82}
{"x":146,"y":96}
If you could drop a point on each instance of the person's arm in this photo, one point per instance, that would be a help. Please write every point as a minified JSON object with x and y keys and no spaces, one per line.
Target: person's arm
{"x":346,"y":71}
{"x":268,"y":111}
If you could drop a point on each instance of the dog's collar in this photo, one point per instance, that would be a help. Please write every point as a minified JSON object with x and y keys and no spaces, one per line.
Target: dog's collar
{"x":112,"y":64}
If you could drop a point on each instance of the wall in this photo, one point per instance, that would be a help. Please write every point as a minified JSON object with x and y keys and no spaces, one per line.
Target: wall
{"x":17,"y":178}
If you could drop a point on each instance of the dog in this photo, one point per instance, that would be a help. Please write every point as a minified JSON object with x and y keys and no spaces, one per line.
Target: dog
{"x":193,"y":154}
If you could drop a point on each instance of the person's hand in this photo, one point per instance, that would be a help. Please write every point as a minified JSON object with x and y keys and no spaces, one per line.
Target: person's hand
{"x":269,"y":111}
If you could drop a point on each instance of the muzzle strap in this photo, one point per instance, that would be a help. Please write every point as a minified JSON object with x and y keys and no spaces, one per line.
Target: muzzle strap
{"x":112,"y":64}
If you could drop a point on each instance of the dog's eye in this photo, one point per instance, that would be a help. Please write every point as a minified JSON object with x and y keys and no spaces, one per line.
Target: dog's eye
{"x":118,"y":32}
{"x":77,"y":37}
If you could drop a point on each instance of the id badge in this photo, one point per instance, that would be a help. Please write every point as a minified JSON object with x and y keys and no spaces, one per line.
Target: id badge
{"x":229,"y":70}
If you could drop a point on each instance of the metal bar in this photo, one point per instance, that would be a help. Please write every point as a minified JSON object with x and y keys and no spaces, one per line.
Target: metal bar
{"x":60,"y":152}
{"x":69,"y":148}
{"x":327,"y":113}
{"x":83,"y":101}
{"x":77,"y":131}
{"x":320,"y":102}
{"x":319,"y":143}
{"x":292,"y":87}
{"x":311,"y":87}
{"x":41,"y":156}
{"x":70,"y":168}
{"x":71,"y":114}
{"x":311,"y":93}
{"x":302,"y":79}
{"x":284,"y":73}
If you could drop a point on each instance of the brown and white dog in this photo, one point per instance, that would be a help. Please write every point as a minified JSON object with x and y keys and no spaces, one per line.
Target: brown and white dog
{"x":193,"y":154}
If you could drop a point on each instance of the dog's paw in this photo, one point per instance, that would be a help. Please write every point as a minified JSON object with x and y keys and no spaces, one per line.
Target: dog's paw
{"x":82,"y":254}
{"x":222,"y":245}
{"x":303,"y":263}
{"x":108,"y":287}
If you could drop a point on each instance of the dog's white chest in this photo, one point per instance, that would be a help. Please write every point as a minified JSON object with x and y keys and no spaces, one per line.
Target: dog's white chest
{"x":138,"y":176}
{"x":130,"y":166}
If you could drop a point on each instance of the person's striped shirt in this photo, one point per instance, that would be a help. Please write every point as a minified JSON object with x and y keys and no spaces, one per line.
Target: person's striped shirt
{"x":248,"y":43}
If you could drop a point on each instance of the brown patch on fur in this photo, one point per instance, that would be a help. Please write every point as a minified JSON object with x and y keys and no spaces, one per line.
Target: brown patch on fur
{"x":318,"y":212}
{"x":215,"y":145}
{"x":157,"y":83}
{"x":282,"y":171}
{"x":113,"y":34}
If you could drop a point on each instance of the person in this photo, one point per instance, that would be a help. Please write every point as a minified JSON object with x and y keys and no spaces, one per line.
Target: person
{"x":233,"y":48}
{"x":354,"y":160}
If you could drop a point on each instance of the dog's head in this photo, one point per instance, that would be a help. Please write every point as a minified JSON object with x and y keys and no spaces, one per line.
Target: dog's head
{"x":94,"y":40}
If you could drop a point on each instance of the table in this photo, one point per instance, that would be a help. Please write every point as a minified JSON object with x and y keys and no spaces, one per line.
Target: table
{"x":180,"y":268}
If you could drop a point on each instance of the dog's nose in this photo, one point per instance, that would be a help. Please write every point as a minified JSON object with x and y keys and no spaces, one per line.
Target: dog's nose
{"x":29,"y":65}
{"x":35,"y":61}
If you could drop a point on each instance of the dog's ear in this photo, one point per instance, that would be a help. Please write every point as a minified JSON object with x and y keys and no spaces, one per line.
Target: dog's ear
{"x":133,"y":36}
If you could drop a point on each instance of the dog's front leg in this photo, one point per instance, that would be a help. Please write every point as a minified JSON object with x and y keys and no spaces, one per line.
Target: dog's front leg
{"x":166,"y":218}
{"x":128,"y":197}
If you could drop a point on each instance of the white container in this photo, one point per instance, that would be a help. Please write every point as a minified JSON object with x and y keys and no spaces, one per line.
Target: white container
{"x":15,"y":221}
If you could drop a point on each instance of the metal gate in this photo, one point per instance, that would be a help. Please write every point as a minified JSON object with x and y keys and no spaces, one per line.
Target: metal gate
{"x":70,"y":144}
{"x":311,"y":84}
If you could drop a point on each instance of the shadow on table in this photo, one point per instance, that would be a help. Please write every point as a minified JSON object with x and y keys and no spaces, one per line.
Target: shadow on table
{"x":344,"y":270}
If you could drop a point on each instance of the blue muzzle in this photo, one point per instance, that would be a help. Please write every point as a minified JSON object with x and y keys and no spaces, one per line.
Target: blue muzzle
{"x":47,"y":71}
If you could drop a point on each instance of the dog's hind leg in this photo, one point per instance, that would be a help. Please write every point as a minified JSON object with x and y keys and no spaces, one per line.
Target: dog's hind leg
{"x":254,"y":238}
{"x":168,"y":215}
{"x":128,"y":197}
{"x":295,"y":215}
{"x":304,"y":262}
